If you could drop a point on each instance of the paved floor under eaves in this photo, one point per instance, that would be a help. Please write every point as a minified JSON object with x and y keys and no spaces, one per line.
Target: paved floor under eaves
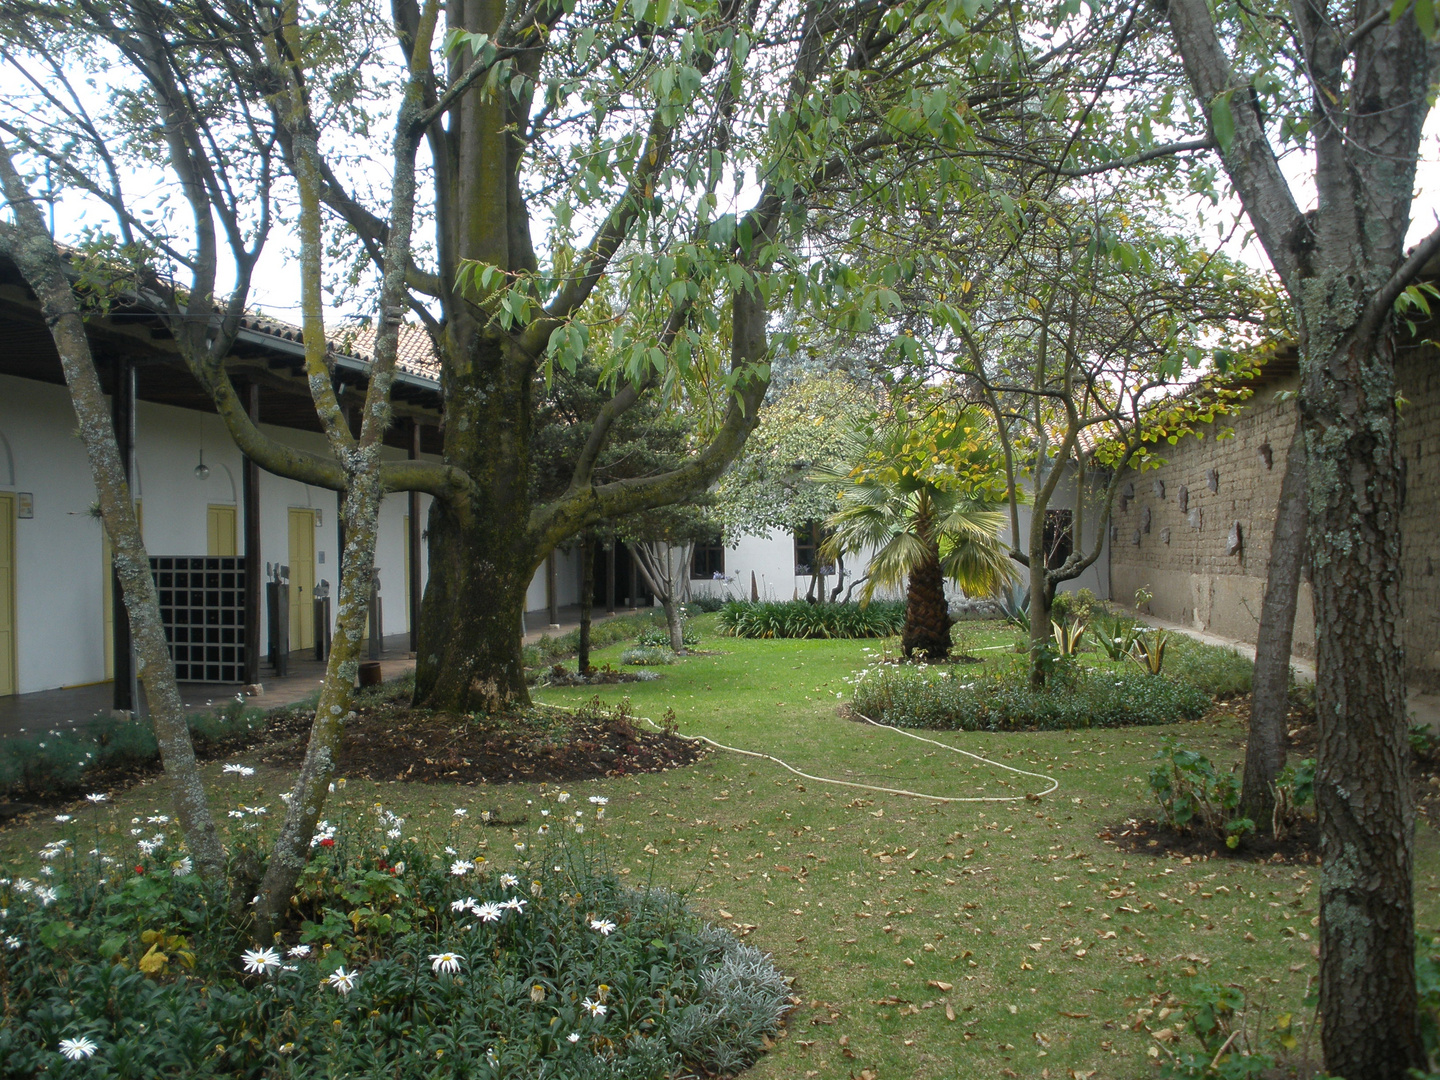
{"x":48,"y":710}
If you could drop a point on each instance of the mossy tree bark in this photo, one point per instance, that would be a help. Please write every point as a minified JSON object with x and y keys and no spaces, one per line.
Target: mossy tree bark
{"x":28,"y":242}
{"x":1368,"y":76}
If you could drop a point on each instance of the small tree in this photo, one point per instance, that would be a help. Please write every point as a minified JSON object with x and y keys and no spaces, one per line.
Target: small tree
{"x":925,"y":500}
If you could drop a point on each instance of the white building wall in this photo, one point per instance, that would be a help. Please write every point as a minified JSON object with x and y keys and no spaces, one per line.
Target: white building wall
{"x":1096,"y":577}
{"x":60,"y":616}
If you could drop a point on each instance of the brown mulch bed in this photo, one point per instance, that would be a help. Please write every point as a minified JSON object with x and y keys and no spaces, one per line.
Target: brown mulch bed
{"x":1151,"y":837}
{"x":403,"y":744}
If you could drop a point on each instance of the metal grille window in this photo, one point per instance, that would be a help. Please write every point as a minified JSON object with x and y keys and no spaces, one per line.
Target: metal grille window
{"x":202,"y":603}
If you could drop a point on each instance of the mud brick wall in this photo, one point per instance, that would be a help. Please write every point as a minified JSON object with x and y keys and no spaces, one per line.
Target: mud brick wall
{"x":1196,"y":531}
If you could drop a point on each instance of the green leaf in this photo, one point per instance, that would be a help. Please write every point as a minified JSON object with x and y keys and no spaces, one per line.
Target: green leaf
{"x":1222,"y":120}
{"x":1425,"y":17}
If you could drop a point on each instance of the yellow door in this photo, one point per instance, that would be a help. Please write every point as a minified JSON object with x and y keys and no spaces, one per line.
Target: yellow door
{"x":107,"y":590}
{"x":7,"y":593}
{"x":302,"y":579}
{"x":220,"y":530}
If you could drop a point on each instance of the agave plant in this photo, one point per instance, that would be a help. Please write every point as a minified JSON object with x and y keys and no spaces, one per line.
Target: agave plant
{"x":918,"y":500}
{"x":1068,"y":635}
{"x":1149,"y":650}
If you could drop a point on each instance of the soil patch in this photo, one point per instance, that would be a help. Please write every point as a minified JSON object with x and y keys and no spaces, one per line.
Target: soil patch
{"x":404,"y":744}
{"x":1153,"y":838}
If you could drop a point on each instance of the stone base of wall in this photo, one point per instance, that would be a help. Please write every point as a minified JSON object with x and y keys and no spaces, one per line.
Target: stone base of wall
{"x":1227,"y":605}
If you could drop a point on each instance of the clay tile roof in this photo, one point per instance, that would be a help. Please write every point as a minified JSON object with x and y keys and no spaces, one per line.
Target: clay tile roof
{"x":416,"y":353}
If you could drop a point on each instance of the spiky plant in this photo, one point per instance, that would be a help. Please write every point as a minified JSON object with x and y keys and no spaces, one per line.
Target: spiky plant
{"x":922,"y":498}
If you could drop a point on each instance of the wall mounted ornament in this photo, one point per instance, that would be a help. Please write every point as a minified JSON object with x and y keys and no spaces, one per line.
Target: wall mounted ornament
{"x":1182,"y":497}
{"x":1165,"y":535}
{"x":1145,"y":519}
{"x":1159,"y":488}
{"x":1267,"y":455}
{"x":1212,"y":480}
{"x":1235,"y":544}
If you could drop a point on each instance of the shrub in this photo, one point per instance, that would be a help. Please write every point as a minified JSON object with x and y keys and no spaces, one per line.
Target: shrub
{"x":1001,"y":699}
{"x":546,"y":649}
{"x":707,"y":604}
{"x":659,"y":636}
{"x":399,"y":961}
{"x":648,"y":655}
{"x":1081,"y":604}
{"x":57,"y":762}
{"x":800,"y":619}
{"x":1192,"y":793}
{"x":1219,"y":671}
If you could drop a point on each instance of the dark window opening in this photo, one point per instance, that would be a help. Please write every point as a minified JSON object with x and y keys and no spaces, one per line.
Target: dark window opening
{"x":808,"y":539}
{"x":1059,"y":537}
{"x":708,"y":560}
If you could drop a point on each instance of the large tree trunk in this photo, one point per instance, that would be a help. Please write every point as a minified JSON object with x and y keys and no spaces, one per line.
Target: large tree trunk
{"x":1270,"y":697}
{"x":927,"y":615}
{"x":1362,"y":781}
{"x":470,"y":656}
{"x":33,"y":250}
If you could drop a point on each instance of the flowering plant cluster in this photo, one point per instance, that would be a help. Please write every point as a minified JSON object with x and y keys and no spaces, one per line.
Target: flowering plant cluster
{"x":402,"y":959}
{"x":999,"y":697}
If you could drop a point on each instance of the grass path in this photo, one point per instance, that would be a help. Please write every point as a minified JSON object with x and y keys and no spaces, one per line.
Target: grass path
{"x":927,"y":940}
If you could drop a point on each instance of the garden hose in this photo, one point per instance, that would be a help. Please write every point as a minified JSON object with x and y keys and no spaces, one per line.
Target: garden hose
{"x":1033,"y":797}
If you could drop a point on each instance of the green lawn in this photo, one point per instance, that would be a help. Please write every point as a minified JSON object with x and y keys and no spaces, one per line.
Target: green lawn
{"x":926,"y":939}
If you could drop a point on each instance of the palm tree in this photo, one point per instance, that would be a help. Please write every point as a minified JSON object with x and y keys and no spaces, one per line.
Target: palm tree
{"x":923,"y":499}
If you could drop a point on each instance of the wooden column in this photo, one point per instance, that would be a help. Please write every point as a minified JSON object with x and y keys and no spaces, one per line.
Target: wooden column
{"x":416,"y":538}
{"x":610,"y":576}
{"x":250,"y":496}
{"x":122,"y":403}
{"x":550,"y":598}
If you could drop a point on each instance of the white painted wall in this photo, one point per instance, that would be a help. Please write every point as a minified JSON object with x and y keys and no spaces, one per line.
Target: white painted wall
{"x":1096,"y":577}
{"x":59,"y":596}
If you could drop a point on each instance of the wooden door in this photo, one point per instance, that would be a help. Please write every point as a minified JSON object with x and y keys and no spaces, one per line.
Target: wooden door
{"x":220,"y":522}
{"x":302,"y":578}
{"x":7,"y":593}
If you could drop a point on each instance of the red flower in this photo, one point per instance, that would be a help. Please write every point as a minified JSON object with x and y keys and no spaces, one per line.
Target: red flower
{"x":329,"y":841}
{"x":139,"y":869}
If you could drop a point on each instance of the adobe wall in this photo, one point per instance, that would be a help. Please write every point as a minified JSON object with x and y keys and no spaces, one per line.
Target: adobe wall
{"x":1185,"y":557}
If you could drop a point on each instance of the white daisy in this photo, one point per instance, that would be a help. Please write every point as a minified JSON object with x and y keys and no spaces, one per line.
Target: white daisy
{"x":604,"y":926}
{"x":461,"y":867}
{"x":508,"y":881}
{"x":46,"y":895}
{"x":342,"y":980}
{"x":599,"y":800}
{"x":298,"y":952}
{"x":97,"y":799}
{"x":563,"y":797}
{"x":573,"y":1037}
{"x":594,"y":1008}
{"x":62,"y":818}
{"x":260,"y":961}
{"x":458,"y":906}
{"x":445,"y":963}
{"x":183,"y":867}
{"x":239,"y":770}
{"x":514,"y":904}
{"x":78,"y":1049}
{"x":460,"y":813}
{"x":490,"y":912}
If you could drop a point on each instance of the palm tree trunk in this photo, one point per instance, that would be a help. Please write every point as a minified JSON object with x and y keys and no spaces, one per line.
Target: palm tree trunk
{"x":927,"y":615}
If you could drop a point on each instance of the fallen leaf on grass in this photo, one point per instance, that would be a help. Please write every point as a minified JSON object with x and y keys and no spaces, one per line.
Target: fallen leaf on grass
{"x":938,"y":985}
{"x":949,"y":1011}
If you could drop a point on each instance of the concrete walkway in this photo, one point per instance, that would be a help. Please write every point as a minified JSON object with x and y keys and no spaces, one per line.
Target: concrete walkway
{"x":49,"y":710}
{"x":537,"y":623}
{"x":1423,"y":708}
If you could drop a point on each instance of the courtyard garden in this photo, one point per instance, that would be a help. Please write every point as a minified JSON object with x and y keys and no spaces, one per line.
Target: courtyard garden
{"x":1005,"y":933}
